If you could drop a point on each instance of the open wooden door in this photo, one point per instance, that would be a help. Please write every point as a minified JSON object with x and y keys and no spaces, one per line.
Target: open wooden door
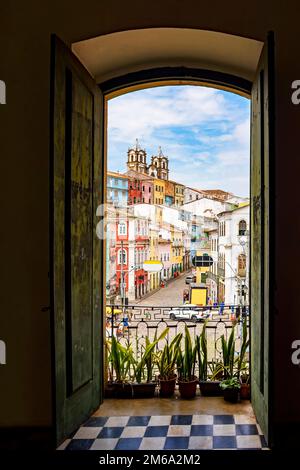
{"x":262,"y":161}
{"x":76,"y":251}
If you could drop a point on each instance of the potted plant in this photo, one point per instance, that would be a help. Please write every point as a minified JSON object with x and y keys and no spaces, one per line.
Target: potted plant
{"x":166,"y":363}
{"x":119,"y":360}
{"x":231,"y":388}
{"x":186,"y":361}
{"x":228,"y":353}
{"x":211,"y":387}
{"x":245,"y":384}
{"x":144,"y":386}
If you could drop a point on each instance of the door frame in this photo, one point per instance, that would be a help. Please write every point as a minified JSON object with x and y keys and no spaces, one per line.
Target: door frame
{"x":149,"y":78}
{"x":163,"y":76}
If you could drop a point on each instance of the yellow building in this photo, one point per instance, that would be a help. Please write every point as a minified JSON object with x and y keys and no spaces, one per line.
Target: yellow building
{"x":179,"y":194}
{"x":176,"y":250}
{"x":153,"y":255}
{"x":158,"y":191}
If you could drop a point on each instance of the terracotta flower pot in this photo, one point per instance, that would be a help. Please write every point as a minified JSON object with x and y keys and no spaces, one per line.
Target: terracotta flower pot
{"x":167,"y":387}
{"x":188,"y":389}
{"x":245,"y":391}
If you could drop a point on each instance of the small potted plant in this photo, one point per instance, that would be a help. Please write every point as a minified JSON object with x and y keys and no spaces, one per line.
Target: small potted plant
{"x":144,"y":386}
{"x":231,"y":388}
{"x":119,"y":360}
{"x":166,"y":363}
{"x":186,"y":362}
{"x":209,"y":385}
{"x":245,"y":382}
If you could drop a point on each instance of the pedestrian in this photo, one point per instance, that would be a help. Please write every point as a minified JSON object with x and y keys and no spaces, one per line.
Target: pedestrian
{"x":221,"y":311}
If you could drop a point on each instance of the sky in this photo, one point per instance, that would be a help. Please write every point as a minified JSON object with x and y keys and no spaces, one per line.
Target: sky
{"x":203,"y":131}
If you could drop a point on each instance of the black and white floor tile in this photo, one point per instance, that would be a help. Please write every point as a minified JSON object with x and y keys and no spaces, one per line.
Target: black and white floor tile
{"x":167,"y":432}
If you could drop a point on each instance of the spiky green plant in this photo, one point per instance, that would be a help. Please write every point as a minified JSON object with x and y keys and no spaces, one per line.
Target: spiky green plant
{"x":186,"y":360}
{"x":166,"y":360}
{"x":143,"y":369}
{"x":120,"y":358}
{"x":228,"y":351}
{"x":201,"y":353}
{"x":245,"y":344}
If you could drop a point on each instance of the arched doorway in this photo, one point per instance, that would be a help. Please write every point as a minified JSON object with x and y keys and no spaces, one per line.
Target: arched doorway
{"x":74,"y":351}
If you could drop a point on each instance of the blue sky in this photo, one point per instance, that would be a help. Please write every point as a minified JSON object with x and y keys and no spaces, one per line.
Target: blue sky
{"x":205,"y":132}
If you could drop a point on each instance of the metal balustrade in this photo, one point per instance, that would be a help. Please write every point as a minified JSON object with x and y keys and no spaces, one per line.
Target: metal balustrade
{"x":131,"y":324}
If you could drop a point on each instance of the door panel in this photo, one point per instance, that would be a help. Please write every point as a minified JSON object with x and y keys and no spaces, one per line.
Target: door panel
{"x":261,"y":157}
{"x":77,"y":253}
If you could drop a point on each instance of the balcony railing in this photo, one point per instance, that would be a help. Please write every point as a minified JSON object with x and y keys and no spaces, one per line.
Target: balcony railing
{"x":132,"y":324}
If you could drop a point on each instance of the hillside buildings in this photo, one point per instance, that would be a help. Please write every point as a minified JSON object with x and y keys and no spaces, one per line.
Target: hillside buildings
{"x":150,"y":217}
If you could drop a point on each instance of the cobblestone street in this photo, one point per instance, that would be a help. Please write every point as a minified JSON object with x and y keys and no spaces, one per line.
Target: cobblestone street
{"x":171,"y":295}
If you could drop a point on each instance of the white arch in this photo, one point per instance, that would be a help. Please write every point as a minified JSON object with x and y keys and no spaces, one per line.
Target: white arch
{"x":123,"y":52}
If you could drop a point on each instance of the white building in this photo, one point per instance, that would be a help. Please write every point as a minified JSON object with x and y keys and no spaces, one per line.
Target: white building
{"x":230,"y":249}
{"x":207,"y":207}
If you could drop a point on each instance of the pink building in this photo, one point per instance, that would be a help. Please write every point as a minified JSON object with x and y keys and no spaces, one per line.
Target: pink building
{"x":164,"y":255}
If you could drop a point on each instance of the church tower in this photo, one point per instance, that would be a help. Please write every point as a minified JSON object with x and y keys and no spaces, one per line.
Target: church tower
{"x":137,"y":159}
{"x":159,"y":166}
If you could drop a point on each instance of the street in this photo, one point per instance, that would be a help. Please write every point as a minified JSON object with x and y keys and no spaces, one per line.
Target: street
{"x":171,"y":295}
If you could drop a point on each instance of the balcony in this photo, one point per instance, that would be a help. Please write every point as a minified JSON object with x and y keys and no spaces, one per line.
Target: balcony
{"x":177,"y":243}
{"x":143,"y":321}
{"x":221,"y":272}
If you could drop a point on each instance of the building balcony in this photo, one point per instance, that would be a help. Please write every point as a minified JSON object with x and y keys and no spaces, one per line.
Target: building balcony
{"x":177,"y":243}
{"x":143,"y":320}
{"x":142,"y":238}
{"x":221,"y":272}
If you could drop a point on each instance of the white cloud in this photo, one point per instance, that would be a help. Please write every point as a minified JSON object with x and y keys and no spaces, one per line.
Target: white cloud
{"x":199,"y":128}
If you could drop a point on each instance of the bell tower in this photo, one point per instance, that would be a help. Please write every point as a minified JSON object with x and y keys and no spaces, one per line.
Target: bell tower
{"x":160,"y":165}
{"x":137,"y":159}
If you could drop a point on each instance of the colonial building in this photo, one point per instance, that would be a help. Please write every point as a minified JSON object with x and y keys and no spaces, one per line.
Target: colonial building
{"x":137,"y":161}
{"x":117,"y":189}
{"x":140,"y":188}
{"x":228,"y":277}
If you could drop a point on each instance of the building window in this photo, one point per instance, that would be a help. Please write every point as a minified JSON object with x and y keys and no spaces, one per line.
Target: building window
{"x":143,"y":199}
{"x":242,"y":227}
{"x":149,"y":189}
{"x":122,"y":228}
{"x":242,"y":265}
{"x":122,"y":254}
{"x":143,"y":188}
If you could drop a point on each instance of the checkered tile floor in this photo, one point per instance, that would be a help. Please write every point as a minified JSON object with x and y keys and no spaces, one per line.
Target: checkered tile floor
{"x":167,"y":432}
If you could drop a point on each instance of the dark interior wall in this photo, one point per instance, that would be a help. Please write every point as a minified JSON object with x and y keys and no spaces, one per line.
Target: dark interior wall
{"x":25,"y":67}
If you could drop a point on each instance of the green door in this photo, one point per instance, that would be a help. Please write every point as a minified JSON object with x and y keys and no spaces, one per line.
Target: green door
{"x":262,"y":159}
{"x":76,"y":251}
